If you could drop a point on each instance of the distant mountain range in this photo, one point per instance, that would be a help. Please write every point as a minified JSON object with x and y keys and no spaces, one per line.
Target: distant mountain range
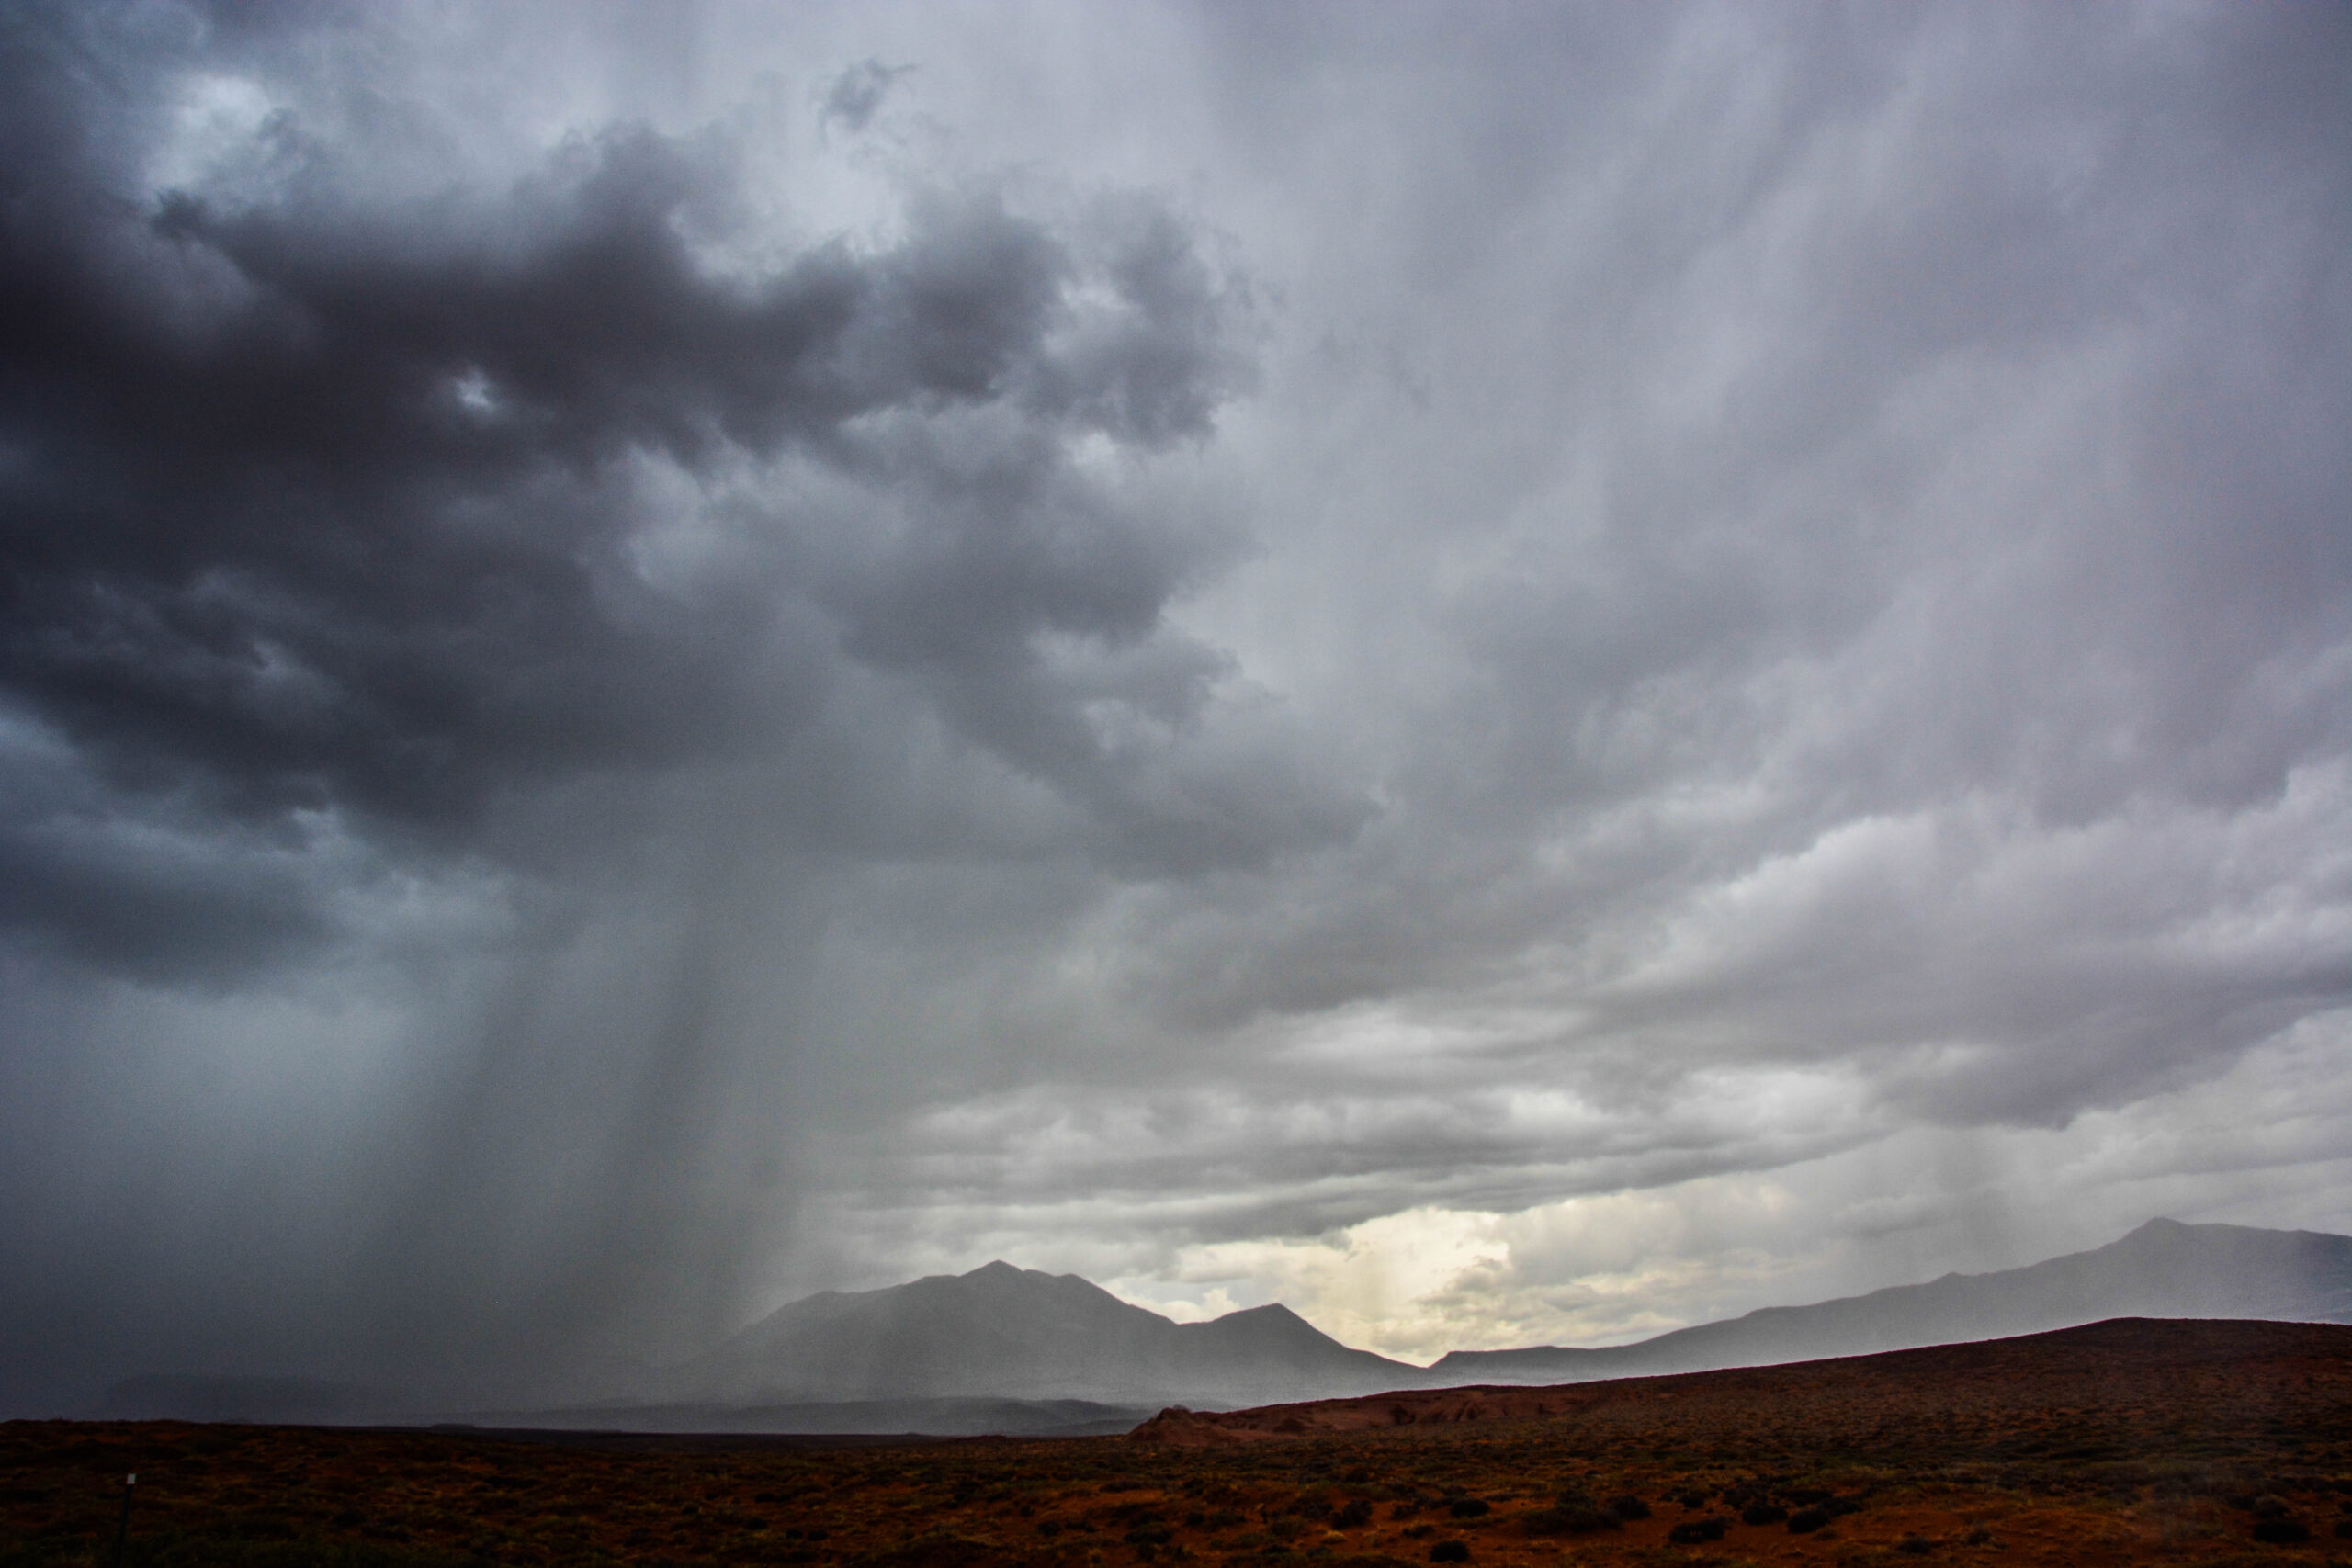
{"x":1014,"y":1350}
{"x":2162,"y":1269}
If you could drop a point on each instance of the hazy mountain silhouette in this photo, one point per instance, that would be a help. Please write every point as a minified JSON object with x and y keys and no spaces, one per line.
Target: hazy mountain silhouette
{"x":2162,"y":1269}
{"x":1014,"y":1350}
{"x":1015,"y":1333}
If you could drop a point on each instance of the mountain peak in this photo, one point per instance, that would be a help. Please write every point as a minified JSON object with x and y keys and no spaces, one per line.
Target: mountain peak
{"x":2158,"y":1227}
{"x":1001,"y":1331}
{"x":1272,"y":1312}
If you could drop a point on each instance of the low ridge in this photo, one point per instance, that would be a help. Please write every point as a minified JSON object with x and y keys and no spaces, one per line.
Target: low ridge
{"x":2247,"y":1370}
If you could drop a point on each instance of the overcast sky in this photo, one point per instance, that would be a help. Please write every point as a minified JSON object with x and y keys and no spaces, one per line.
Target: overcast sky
{"x":1514,"y":673}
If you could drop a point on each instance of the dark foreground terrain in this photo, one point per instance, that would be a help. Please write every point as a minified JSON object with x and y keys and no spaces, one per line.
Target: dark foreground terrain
{"x":2130,"y":1441}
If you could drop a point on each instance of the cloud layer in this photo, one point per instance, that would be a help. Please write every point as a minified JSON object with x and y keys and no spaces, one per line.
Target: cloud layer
{"x":1515,"y":681}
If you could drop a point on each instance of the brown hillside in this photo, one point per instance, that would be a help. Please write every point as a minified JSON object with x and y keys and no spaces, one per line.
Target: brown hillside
{"x":2136,"y":1372}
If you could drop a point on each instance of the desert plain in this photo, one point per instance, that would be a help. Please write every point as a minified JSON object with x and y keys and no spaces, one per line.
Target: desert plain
{"x":2131,"y":1441}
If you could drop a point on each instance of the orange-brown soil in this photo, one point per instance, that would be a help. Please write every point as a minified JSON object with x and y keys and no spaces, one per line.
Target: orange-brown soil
{"x":2129,"y":1442}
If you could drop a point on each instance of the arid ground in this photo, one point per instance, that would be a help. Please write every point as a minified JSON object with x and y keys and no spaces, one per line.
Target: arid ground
{"x":2133,"y":1441}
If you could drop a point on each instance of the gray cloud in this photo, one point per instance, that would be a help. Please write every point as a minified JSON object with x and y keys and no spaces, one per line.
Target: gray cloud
{"x":857,"y":94}
{"x":319,"y":505}
{"x":1187,"y":643}
{"x":482,"y":543}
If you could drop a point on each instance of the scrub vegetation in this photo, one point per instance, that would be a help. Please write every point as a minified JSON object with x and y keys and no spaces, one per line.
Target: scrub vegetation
{"x":2201,"y":1445}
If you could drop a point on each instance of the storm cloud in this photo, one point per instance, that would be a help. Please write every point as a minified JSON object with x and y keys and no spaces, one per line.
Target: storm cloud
{"x":1512,"y":676}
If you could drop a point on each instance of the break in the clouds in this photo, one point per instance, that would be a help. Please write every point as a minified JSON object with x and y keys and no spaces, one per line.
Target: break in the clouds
{"x":1512,"y":675}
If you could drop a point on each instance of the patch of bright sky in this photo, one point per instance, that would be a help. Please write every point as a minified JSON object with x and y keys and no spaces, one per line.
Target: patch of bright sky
{"x":213,"y":127}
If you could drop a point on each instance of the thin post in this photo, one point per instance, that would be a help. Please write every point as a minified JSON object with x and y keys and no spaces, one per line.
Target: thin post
{"x":122,"y":1530}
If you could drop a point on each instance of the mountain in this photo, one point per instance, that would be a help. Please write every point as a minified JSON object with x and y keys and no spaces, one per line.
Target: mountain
{"x":1007,"y":1349}
{"x":1007,"y":1332}
{"x":2162,"y":1269}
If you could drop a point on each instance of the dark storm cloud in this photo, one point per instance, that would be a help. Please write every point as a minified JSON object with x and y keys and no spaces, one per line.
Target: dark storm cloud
{"x":314,"y":503}
{"x":453,"y":595}
{"x":647,"y":666}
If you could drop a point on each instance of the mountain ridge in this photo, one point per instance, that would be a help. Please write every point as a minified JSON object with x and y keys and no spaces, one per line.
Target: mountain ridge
{"x":2163,"y":1268}
{"x":1003,"y":1348}
{"x":1001,"y":1331}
